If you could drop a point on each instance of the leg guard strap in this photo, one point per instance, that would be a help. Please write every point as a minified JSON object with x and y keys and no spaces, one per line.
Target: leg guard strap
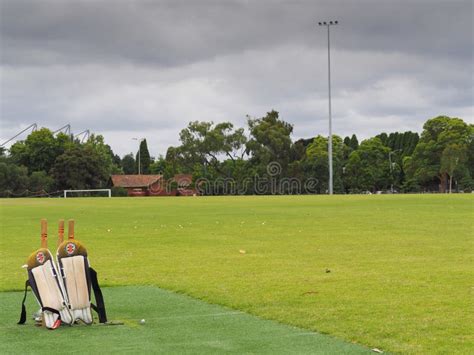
{"x":23,"y":308}
{"x":99,"y":298}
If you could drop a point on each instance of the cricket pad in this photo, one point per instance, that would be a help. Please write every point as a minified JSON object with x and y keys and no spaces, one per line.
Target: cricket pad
{"x":78,"y":279}
{"x":47,"y":288}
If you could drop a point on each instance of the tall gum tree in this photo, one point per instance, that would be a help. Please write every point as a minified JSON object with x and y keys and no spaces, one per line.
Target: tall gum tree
{"x":440,"y":132}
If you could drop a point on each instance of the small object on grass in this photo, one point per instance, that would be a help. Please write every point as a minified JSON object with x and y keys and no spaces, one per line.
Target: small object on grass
{"x":377,"y":350}
{"x":142,"y":321}
{"x":112,"y":322}
{"x":328,"y":271}
{"x":108,"y":230}
{"x":241,"y":251}
{"x":37,"y":314}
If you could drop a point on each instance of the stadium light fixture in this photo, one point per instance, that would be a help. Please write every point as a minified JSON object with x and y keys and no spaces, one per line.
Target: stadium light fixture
{"x":328,"y":25}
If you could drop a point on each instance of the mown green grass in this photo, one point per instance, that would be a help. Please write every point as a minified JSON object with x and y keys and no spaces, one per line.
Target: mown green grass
{"x":174,"y":324}
{"x":401,"y":267}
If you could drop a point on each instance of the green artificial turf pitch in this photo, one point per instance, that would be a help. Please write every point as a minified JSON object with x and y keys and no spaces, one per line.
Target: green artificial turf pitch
{"x":393,"y":272}
{"x":173,"y":324}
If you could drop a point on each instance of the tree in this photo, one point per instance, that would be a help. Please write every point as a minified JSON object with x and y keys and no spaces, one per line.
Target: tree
{"x":350,"y":144}
{"x":410,"y":140}
{"x":317,"y":165}
{"x":158,"y":166}
{"x":105,"y":153}
{"x":45,"y":155}
{"x":205,"y":145}
{"x":128,"y":164}
{"x":404,"y":142}
{"x":347,"y":141}
{"x":425,"y":163}
{"x":452,"y":157}
{"x":13,"y":178}
{"x":80,"y":167}
{"x":40,"y":149}
{"x":40,"y":181}
{"x":354,"y":142}
{"x":173,"y":163}
{"x":145,"y":159}
{"x":469,"y":181}
{"x":384,"y":138}
{"x":401,"y":145}
{"x":368,"y":167}
{"x":270,"y":141}
{"x":298,"y":150}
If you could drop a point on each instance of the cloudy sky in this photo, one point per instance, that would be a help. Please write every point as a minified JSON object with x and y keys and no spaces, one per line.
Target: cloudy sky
{"x":128,"y":69}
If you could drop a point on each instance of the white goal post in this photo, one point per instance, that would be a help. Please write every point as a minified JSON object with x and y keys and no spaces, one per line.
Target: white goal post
{"x":109,"y":191}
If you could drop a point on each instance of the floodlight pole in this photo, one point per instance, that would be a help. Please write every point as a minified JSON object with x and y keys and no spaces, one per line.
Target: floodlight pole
{"x":140,"y":140}
{"x":329,"y":24}
{"x":391,"y":166}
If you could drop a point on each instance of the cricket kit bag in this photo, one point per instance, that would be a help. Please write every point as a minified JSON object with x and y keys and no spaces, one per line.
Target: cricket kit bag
{"x":63,"y":289}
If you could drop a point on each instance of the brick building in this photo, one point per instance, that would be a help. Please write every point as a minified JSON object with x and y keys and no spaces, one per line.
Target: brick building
{"x":155,"y":185}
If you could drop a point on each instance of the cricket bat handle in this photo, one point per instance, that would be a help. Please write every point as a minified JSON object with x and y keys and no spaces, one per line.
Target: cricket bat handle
{"x":70,"y":229}
{"x":44,"y":233}
{"x":61,"y":231}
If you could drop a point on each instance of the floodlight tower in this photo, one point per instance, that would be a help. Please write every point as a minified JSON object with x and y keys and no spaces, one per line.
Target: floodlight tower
{"x":33,"y":128}
{"x":328,"y":24}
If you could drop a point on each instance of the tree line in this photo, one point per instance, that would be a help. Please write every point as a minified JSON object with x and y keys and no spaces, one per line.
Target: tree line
{"x":440,"y":159}
{"x":45,"y":163}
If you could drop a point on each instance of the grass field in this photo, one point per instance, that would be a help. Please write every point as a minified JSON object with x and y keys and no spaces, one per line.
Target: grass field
{"x":174,"y":324}
{"x":392,"y":272}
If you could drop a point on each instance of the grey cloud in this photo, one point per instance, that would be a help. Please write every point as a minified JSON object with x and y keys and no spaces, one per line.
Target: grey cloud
{"x":175,"y":33}
{"x":129,"y":68}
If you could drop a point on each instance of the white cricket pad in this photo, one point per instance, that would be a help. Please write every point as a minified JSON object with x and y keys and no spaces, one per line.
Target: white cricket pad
{"x":77,"y":287}
{"x":50,"y":294}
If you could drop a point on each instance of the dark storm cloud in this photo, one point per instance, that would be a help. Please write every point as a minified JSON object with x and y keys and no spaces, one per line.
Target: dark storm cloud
{"x":173,"y":33}
{"x":151,"y":66}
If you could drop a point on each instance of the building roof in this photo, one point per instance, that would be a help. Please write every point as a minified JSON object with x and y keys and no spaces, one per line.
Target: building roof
{"x":183,"y":179}
{"x":135,"y":180}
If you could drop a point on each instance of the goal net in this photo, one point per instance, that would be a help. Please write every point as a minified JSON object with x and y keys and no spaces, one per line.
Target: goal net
{"x":88,"y":193}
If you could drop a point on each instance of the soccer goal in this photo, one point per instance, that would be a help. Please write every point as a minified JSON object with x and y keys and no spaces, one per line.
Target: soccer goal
{"x":80,"y":193}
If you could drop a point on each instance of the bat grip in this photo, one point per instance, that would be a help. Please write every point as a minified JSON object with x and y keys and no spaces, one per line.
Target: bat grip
{"x":61,"y":231}
{"x":70,"y":229}
{"x":44,"y":233}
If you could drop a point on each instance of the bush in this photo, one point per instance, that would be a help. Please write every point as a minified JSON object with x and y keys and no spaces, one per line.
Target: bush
{"x":40,"y":181}
{"x":119,"y":192}
{"x":411,"y":185}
